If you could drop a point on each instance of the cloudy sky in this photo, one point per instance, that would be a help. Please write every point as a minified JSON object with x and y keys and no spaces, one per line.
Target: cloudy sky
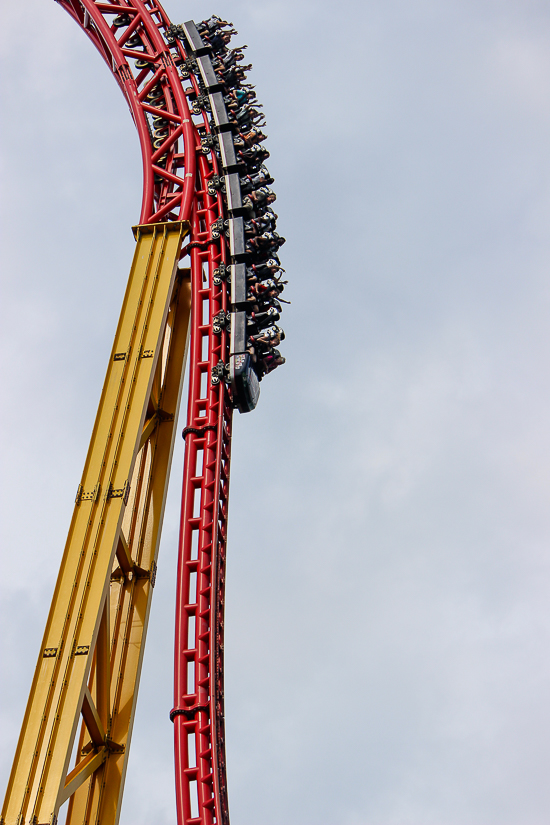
{"x":388,"y":618}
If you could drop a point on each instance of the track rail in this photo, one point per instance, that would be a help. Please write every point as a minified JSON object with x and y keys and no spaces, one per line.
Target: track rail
{"x":198,"y":684}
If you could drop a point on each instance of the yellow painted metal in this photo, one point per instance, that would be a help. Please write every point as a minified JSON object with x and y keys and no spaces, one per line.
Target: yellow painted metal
{"x":130,"y":591}
{"x":90,"y":660}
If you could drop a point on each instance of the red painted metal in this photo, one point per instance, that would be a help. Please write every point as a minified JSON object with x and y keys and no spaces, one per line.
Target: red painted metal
{"x":172,"y":196}
{"x":175,"y":177}
{"x":198,"y":687}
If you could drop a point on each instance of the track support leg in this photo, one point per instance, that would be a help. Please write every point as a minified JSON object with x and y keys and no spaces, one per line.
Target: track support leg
{"x":89,"y":664}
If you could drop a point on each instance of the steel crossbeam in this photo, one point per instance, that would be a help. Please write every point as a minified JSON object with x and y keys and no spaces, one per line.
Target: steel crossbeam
{"x":90,"y":659}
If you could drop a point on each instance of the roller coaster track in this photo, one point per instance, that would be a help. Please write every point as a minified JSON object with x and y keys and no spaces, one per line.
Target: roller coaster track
{"x":94,"y":685}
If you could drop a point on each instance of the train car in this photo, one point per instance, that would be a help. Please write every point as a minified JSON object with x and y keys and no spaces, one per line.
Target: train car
{"x":245,"y":386}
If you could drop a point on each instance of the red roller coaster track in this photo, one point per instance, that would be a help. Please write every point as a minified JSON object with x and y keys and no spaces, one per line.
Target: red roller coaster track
{"x":177,"y":166}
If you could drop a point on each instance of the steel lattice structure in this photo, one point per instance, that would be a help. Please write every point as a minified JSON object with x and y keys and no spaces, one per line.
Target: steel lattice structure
{"x":89,"y":664}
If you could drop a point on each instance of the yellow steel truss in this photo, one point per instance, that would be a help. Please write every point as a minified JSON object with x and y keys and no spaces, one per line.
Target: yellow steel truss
{"x":90,"y":660}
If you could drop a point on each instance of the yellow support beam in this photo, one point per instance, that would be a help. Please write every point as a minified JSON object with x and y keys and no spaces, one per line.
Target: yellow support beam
{"x":90,"y":659}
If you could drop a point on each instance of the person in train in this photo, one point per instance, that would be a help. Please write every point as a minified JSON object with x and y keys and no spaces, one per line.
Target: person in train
{"x":232,"y":56}
{"x":226,"y":61}
{"x":264,"y":222}
{"x":250,"y":183}
{"x":267,"y":219}
{"x":252,"y":156}
{"x":246,"y":118}
{"x":252,"y":161}
{"x":264,"y":293}
{"x":253,"y":136}
{"x":263,"y":270}
{"x":272,"y":336}
{"x":268,"y":361}
{"x":262,"y":300}
{"x":220,"y":39}
{"x":264,"y":306}
{"x":260,"y":316}
{"x":248,"y":139}
{"x":267,"y":243}
{"x":258,"y":247}
{"x":234,"y":76}
{"x":239,"y":97}
{"x":241,"y":104}
{"x":263,"y":196}
{"x":268,"y":290}
{"x":261,"y":224}
{"x":256,"y":321}
{"x":251,"y":228}
{"x":213,"y":24}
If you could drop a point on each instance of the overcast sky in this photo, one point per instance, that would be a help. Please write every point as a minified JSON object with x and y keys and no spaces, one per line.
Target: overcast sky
{"x":388,"y":612}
